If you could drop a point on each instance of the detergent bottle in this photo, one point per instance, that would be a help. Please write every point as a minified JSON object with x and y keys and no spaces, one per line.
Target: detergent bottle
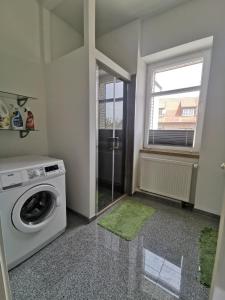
{"x":4,"y":116}
{"x":17,"y":120}
{"x":30,"y":119}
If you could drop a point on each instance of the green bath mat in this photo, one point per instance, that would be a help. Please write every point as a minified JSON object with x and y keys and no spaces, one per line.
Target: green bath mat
{"x":208,"y":243}
{"x":127,"y":218}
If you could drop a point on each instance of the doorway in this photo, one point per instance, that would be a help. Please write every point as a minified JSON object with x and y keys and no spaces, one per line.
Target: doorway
{"x":111,"y":141}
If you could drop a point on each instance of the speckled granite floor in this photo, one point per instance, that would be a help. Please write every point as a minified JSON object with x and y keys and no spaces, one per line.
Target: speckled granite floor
{"x":88,"y":262}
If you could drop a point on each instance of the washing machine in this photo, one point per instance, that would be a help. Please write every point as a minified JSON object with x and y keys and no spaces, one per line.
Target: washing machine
{"x":32,"y":204}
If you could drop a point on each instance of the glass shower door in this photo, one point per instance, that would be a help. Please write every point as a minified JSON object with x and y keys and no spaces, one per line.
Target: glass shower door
{"x":110,"y":103}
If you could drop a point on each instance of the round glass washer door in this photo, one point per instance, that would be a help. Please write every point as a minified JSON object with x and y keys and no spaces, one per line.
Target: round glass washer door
{"x":35,"y":208}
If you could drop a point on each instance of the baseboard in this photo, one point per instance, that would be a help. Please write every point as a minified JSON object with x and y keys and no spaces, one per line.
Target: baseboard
{"x":86,"y":219}
{"x":175,"y":203}
{"x":206,"y":213}
{"x":157,"y":198}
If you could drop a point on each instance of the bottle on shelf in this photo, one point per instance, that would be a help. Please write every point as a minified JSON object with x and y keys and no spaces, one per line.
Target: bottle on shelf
{"x":4,"y":116}
{"x":17,"y":119}
{"x":30,"y":119}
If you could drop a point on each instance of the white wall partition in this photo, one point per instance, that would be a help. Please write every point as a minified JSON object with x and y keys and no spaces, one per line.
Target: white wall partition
{"x":68,"y":123}
{"x":71,"y":84}
{"x":139,"y":112}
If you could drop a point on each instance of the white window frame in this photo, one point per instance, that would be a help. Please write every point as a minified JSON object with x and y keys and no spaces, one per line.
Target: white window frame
{"x":164,"y":65}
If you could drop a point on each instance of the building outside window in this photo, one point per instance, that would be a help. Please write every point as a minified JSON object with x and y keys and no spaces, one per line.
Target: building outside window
{"x":162,"y":112}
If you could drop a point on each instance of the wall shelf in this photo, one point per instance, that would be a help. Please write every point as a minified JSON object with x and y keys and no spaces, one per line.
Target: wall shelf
{"x":21,"y":100}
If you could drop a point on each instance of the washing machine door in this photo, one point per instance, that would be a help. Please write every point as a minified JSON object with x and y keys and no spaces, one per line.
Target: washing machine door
{"x":35,"y":208}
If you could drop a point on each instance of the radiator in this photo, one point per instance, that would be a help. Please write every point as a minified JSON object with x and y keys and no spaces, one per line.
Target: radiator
{"x":170,"y":178}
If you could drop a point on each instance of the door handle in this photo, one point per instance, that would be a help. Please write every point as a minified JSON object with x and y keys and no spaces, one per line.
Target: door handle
{"x":116,"y":143}
{"x":222,"y":166}
{"x":113,"y":143}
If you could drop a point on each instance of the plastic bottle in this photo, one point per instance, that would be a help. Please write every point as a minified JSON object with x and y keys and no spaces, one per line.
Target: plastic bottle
{"x":30,"y":120}
{"x":4,"y":116}
{"x":17,"y":120}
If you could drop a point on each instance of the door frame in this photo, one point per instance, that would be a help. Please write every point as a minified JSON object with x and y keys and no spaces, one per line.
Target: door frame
{"x":113,"y":78}
{"x":128,"y":128}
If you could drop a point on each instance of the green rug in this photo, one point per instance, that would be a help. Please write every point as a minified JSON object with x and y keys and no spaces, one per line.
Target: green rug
{"x":208,"y":243}
{"x":127,"y":218}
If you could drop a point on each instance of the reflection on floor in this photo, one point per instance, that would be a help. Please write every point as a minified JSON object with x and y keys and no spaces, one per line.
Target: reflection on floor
{"x":88,"y":262}
{"x":105,"y":197}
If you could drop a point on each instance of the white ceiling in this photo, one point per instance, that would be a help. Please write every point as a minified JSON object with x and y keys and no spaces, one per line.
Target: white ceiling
{"x":110,"y":14}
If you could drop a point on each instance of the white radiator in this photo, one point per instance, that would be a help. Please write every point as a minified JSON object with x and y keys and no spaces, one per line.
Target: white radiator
{"x":170,"y":178}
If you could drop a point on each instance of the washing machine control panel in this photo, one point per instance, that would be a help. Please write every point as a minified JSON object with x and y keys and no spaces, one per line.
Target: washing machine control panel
{"x":49,"y":170}
{"x":35,"y":173}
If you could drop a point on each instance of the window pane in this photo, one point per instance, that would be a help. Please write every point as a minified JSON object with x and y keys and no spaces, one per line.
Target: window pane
{"x":119,"y":89}
{"x":177,"y":78}
{"x":105,"y":115}
{"x":173,"y":119}
{"x":109,"y":90}
{"x":188,"y":112}
{"x":109,"y":115}
{"x":119,"y":115}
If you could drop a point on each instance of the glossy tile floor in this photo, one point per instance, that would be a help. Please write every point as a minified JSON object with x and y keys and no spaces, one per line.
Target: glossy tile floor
{"x":88,"y":262}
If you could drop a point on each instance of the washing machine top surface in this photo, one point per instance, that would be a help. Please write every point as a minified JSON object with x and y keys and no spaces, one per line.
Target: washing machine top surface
{"x":25,"y":170}
{"x":24,"y":162}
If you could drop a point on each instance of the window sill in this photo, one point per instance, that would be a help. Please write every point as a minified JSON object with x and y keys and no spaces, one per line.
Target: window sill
{"x":178,"y":153}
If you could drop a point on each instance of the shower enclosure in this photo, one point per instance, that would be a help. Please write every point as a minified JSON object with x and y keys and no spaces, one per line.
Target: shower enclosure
{"x":111,"y":138}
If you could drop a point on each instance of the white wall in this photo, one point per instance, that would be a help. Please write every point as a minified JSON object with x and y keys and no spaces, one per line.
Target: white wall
{"x":19,"y":30}
{"x":71,"y":84}
{"x":191,"y":21}
{"x":139,"y":113}
{"x":21,"y":72}
{"x":89,"y":44}
{"x":121,"y":45}
{"x":68,"y":123}
{"x":64,"y":38}
{"x":217,"y":291}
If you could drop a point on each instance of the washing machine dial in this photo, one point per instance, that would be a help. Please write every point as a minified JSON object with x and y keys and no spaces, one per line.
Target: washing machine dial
{"x":37,"y":172}
{"x":34,"y":173}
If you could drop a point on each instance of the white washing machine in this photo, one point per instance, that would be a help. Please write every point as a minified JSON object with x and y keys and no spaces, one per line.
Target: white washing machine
{"x":32,"y":204}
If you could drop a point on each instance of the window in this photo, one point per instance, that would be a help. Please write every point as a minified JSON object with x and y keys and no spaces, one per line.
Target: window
{"x":175,"y":90}
{"x":109,"y":90}
{"x":188,"y":112}
{"x":162,"y":112}
{"x":107,"y":116}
